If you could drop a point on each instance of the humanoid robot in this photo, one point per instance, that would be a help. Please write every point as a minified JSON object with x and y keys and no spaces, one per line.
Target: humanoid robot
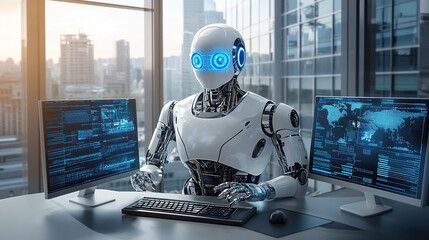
{"x":224,"y":135}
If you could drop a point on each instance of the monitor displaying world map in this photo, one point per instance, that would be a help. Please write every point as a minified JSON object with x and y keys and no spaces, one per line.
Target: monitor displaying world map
{"x":377,"y":142}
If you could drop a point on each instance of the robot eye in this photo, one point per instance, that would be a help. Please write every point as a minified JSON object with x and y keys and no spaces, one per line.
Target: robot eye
{"x":220,"y":61}
{"x":241,"y":57}
{"x":197,"y":61}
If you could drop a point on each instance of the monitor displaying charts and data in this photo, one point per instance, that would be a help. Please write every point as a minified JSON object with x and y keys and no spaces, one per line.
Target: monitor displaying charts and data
{"x":86,"y":143}
{"x":375,"y":145}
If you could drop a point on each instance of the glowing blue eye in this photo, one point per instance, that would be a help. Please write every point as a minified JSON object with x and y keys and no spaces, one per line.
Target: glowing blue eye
{"x":241,"y":57}
{"x":220,"y":61}
{"x":197,"y":61}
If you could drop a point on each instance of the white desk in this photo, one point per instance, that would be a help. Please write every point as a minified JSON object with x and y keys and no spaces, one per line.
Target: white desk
{"x":33,"y":217}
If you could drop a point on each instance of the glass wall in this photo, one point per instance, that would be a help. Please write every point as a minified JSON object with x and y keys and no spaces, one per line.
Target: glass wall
{"x":311,"y":58}
{"x":96,"y":52}
{"x":394,"y":46}
{"x":13,"y":160}
{"x":254,"y":19}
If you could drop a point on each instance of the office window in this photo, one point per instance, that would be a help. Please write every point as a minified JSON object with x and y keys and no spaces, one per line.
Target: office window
{"x":96,"y":52}
{"x":292,"y":90}
{"x":289,"y":5}
{"x":292,"y":68}
{"x":337,"y":86}
{"x":13,"y":140}
{"x":307,"y":67}
{"x":307,"y":13}
{"x":394,"y":48}
{"x":405,"y":59}
{"x":337,"y":33}
{"x":324,"y":86}
{"x":306,"y":98}
{"x":337,"y":65}
{"x":405,"y":85}
{"x":307,"y":40}
{"x":323,"y":66}
{"x":291,"y":43}
{"x":315,"y":41}
{"x":405,"y":22}
{"x":324,"y":7}
{"x":324,"y":36}
{"x":290,"y":18}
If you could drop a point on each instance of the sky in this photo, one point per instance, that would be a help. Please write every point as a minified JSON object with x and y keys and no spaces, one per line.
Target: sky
{"x":103,"y":25}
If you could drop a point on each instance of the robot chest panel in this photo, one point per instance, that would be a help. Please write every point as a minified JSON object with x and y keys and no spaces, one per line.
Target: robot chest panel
{"x":235,"y":140}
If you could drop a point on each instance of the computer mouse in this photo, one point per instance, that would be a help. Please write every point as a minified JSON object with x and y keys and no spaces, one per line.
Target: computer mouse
{"x":278,"y":216}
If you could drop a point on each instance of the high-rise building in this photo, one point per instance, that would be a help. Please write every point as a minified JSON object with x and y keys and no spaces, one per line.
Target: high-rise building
{"x":11,"y":100}
{"x":194,"y":18}
{"x":123,"y":65}
{"x":12,"y":130}
{"x":77,"y":66}
{"x":172,"y":74}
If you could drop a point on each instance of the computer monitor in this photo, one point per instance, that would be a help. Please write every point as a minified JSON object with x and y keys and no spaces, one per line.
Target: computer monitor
{"x":374,"y":145}
{"x":86,"y":143}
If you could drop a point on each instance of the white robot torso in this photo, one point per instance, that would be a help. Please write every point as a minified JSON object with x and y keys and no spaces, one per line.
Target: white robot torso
{"x":235,"y":140}
{"x":225,"y":136}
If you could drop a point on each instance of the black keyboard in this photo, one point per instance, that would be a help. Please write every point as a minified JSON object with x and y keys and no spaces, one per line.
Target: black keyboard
{"x":190,"y":211}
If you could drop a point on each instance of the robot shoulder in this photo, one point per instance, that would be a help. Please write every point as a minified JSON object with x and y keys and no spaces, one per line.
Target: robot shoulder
{"x":166,"y":115}
{"x":257,"y":97}
{"x":278,"y":117}
{"x":285,"y":117}
{"x":185,"y":104}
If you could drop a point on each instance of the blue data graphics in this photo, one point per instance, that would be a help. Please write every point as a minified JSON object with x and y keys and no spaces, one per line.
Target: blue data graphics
{"x":374,"y":142}
{"x":89,"y":140}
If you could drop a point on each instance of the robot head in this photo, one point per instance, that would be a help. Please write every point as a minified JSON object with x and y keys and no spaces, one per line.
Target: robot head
{"x":217,"y":55}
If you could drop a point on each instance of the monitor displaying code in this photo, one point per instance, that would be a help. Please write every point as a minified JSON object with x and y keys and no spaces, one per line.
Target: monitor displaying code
{"x":376,"y":142}
{"x":87,"y":140}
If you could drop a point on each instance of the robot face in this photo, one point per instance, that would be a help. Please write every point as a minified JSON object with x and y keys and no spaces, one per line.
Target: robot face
{"x":217,"y":55}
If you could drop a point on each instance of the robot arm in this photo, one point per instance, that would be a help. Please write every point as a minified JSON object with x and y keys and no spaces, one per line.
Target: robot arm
{"x":281,"y":123}
{"x":156,"y":156}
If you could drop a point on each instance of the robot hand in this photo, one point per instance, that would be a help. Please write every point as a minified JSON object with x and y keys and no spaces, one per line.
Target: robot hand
{"x":236,"y":192}
{"x":146,"y":179}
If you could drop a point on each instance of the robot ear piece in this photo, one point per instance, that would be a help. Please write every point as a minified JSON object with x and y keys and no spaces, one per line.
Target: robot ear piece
{"x":241,"y":57}
{"x":239,"y":54}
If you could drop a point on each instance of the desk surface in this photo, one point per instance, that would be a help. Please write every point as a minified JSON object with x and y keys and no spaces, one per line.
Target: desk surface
{"x":33,"y":217}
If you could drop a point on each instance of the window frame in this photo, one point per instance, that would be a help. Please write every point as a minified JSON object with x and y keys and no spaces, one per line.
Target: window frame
{"x":34,"y":73}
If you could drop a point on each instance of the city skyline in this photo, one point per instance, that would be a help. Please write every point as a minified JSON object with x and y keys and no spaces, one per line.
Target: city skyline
{"x":66,"y":18}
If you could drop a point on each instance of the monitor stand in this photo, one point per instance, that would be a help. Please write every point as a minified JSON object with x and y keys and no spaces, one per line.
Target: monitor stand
{"x":87,"y":197}
{"x":370,"y":207}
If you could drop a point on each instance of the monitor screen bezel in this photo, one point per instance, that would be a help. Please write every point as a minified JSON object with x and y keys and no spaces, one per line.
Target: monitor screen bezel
{"x":419,"y":202}
{"x":94,"y":183}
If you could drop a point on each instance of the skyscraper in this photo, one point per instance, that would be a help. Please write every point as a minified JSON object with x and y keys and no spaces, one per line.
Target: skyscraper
{"x":194,"y":18}
{"x":123,"y":65}
{"x":77,"y":65}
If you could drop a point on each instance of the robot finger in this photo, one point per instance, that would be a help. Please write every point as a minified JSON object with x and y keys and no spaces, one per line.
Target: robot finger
{"x":223,"y":186}
{"x":225,"y":193}
{"x":236,"y":200}
{"x":149,"y":181}
{"x":137,"y":183}
{"x":235,"y":192}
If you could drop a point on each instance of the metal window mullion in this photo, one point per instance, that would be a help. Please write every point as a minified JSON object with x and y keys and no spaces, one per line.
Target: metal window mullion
{"x":278,"y":36}
{"x":153,"y":68}
{"x":391,"y":50}
{"x":153,"y":71}
{"x":34,"y":74}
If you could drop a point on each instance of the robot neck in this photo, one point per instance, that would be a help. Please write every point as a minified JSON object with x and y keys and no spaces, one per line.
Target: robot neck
{"x":219,"y":101}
